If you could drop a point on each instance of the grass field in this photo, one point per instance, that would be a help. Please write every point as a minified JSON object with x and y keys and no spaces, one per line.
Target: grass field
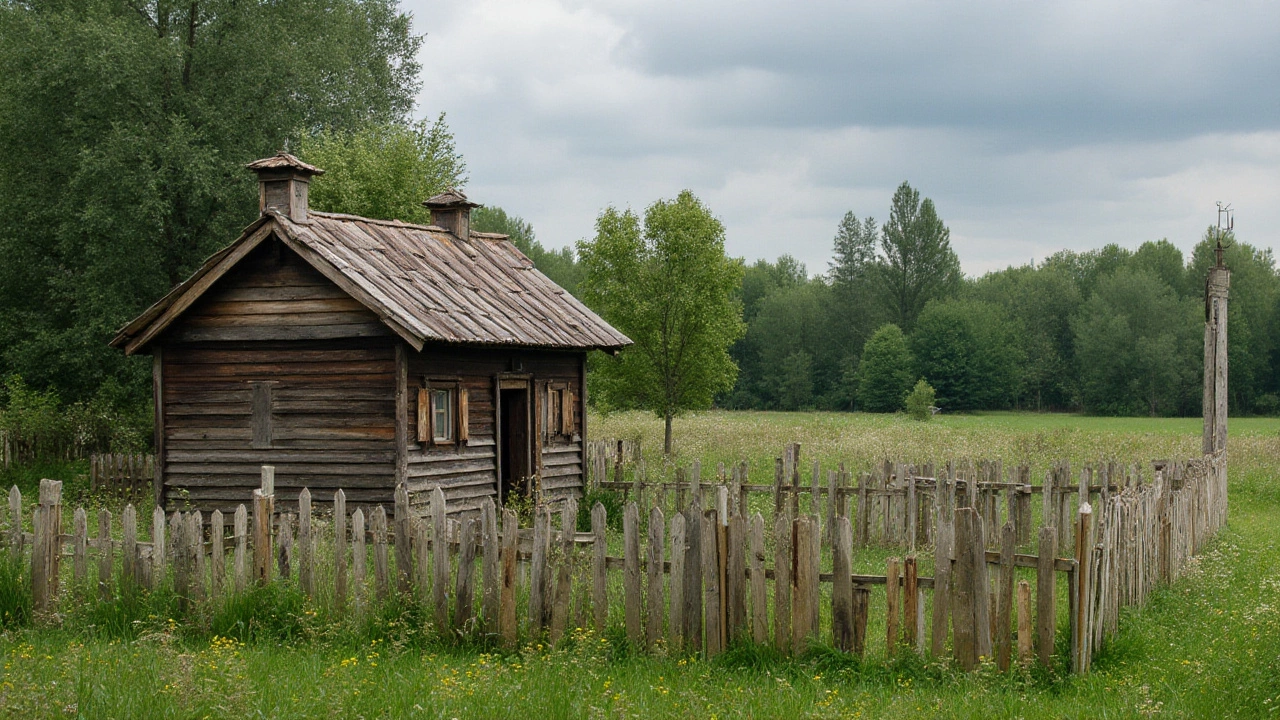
{"x":1207,"y":647}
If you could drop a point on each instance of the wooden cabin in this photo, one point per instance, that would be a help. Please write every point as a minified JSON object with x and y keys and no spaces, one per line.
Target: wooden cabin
{"x":357,"y":353}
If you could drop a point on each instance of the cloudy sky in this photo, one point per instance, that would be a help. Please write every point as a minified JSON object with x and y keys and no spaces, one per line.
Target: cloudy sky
{"x":1034,"y":126}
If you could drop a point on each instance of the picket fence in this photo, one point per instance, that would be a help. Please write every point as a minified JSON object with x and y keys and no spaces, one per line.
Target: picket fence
{"x":697,"y":580}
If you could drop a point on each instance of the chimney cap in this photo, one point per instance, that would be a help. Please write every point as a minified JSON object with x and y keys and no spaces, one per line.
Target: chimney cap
{"x":284,"y":161}
{"x":450,"y":198}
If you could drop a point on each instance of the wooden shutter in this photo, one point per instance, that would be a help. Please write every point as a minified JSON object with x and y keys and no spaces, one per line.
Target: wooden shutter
{"x":462,"y":415}
{"x":424,"y":416}
{"x":566,"y":412}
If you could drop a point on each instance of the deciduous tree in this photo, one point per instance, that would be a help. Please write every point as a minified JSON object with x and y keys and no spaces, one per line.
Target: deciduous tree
{"x":667,"y":285}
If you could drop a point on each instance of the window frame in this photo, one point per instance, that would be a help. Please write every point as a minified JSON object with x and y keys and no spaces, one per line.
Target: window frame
{"x":457,"y":411}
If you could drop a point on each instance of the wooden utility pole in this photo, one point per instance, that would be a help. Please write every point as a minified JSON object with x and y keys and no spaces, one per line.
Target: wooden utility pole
{"x":1217,"y":286}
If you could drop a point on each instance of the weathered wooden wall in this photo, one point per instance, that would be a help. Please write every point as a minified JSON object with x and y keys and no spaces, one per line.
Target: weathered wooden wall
{"x":468,"y":472}
{"x":277,"y":334}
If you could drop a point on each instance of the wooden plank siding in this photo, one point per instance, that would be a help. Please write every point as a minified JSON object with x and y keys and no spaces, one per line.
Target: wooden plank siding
{"x":277,"y":365}
{"x":467,"y":473}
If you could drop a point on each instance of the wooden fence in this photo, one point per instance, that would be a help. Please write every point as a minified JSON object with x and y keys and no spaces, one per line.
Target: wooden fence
{"x":697,"y":580}
{"x":129,"y":474}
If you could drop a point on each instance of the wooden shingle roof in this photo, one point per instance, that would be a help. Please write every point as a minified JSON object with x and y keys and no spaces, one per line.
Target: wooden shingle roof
{"x":426,"y":284}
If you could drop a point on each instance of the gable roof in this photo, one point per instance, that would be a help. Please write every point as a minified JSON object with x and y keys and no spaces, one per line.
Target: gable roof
{"x":420,"y":280}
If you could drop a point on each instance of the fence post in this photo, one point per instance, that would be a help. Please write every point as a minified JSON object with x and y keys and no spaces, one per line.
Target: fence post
{"x":963,"y":601}
{"x":240,"y":528}
{"x":158,"y":549}
{"x":217,"y":555}
{"x":759,"y":588}
{"x":735,"y":577}
{"x":466,"y":574}
{"x":675,"y":629}
{"x":782,"y":554}
{"x":1004,"y":600}
{"x":711,"y":583}
{"x":538,"y":571}
{"x":894,"y":605}
{"x":490,"y":574}
{"x":378,"y":525}
{"x":654,"y":597}
{"x":944,"y":543}
{"x":80,"y":552}
{"x":507,"y":605}
{"x":599,"y":571}
{"x":340,"y":550}
{"x":842,"y":585}
{"x":1046,"y":593}
{"x":264,"y":502}
{"x":693,"y":577}
{"x":104,"y":554}
{"x":306,"y":545}
{"x":1084,"y":559}
{"x":631,"y":571}
{"x":440,"y":559}
{"x":403,"y":540}
{"x":48,"y":550}
{"x":359,"y":556}
{"x":564,"y":574}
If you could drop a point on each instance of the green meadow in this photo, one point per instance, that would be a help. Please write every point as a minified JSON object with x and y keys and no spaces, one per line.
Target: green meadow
{"x":1208,"y":646}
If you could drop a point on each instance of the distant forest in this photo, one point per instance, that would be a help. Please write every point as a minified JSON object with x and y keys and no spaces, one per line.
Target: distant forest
{"x":1109,"y":331}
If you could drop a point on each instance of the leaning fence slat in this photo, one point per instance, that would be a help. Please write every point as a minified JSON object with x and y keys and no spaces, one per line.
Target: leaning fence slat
{"x":196,"y":538}
{"x":804,"y":586}
{"x":104,"y":554}
{"x":711,"y":583}
{"x":403,"y":539}
{"x":736,"y":577}
{"x":943,"y":551}
{"x":893,"y":593}
{"x":157,"y":544}
{"x":538,"y":570}
{"x":284,"y":546}
{"x":912,"y":616}
{"x":15,"y":523}
{"x":692,"y":612}
{"x":564,"y":574}
{"x":964,"y":628}
{"x":1024,"y":622}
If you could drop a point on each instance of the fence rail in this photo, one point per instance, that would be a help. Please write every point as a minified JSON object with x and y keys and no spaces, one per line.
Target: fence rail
{"x":698,"y":578}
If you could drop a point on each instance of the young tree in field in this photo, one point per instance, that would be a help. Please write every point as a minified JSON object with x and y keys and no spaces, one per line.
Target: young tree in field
{"x":383,"y":170}
{"x":667,"y":285}
{"x":918,"y":263}
{"x":884,"y":374}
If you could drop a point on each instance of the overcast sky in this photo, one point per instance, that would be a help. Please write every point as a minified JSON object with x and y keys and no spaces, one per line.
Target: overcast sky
{"x":1034,"y":126}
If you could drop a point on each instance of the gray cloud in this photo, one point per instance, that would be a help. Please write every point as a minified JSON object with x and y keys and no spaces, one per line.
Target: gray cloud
{"x":1034,"y":126}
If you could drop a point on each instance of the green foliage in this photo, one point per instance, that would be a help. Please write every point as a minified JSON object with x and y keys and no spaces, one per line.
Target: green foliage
{"x":383,"y":170}
{"x":124,"y":130}
{"x":560,"y":266}
{"x":42,"y":429}
{"x":613,"y":507}
{"x":1136,"y":345}
{"x":969,"y":352}
{"x":795,"y":381}
{"x":669,"y":287}
{"x":884,"y":373}
{"x":920,"y":401}
{"x":918,"y":264}
{"x":275,"y":612}
{"x":15,"y":592}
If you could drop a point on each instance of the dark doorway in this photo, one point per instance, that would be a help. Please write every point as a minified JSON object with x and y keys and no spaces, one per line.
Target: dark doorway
{"x":515,"y":442}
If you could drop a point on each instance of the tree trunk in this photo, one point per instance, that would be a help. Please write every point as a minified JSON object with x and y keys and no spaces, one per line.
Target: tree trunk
{"x":666,"y":443}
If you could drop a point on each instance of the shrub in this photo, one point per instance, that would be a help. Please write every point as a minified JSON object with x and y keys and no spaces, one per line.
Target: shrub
{"x":612,"y":502}
{"x":884,"y":373}
{"x":920,"y":401}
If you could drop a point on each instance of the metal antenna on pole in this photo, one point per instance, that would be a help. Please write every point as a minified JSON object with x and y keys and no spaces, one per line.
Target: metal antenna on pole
{"x":1226,"y":224}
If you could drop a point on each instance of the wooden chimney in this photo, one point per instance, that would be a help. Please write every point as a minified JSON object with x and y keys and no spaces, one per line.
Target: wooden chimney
{"x":282,"y":185}
{"x":451,"y":210}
